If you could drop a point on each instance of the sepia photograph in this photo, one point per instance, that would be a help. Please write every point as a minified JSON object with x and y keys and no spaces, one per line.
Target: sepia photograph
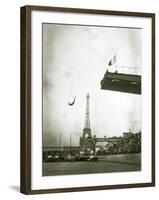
{"x":91,"y":99}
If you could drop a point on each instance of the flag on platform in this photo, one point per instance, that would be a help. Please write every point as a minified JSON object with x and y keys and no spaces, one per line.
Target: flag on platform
{"x":112,"y":61}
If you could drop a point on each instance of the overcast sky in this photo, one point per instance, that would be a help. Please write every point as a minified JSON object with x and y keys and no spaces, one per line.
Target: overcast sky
{"x":75,"y":59}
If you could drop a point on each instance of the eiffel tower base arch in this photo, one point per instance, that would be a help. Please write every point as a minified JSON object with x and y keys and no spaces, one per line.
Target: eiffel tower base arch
{"x":87,"y":146}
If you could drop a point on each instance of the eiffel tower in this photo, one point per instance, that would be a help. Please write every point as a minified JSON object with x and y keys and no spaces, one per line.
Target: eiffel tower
{"x":87,"y":129}
{"x":86,"y":141}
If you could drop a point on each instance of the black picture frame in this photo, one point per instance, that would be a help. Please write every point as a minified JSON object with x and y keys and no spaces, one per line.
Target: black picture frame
{"x":26,"y":83}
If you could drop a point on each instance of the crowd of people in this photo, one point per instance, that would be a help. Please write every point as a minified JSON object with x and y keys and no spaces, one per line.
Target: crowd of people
{"x":123,"y":145}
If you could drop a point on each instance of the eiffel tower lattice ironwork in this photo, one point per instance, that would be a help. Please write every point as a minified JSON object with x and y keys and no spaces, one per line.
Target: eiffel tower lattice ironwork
{"x":87,"y":129}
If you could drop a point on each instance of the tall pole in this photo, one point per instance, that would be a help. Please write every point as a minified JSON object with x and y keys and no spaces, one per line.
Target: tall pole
{"x":60,"y":141}
{"x":70,"y":142}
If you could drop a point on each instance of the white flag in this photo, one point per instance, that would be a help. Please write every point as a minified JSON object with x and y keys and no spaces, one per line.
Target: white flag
{"x":112,"y":61}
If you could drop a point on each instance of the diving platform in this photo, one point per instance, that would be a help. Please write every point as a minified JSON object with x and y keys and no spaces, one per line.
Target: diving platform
{"x":121,"y":82}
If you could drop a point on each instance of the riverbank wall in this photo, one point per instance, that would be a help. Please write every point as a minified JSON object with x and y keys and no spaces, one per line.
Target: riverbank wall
{"x":134,"y":158}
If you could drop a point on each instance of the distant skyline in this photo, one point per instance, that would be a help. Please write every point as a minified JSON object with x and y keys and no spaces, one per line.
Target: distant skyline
{"x":75,"y":59}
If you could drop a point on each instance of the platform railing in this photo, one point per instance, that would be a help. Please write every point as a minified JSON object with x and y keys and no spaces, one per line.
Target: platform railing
{"x":126,"y":70}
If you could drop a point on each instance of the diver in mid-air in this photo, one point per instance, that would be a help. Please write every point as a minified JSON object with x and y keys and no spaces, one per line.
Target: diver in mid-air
{"x":71,"y":104}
